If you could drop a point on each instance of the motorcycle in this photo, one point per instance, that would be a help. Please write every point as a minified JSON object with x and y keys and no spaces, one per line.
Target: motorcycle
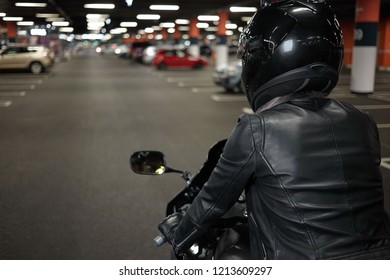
{"x":228,"y":238}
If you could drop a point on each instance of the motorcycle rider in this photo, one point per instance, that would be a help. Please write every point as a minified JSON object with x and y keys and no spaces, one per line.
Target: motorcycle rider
{"x":310,"y":165}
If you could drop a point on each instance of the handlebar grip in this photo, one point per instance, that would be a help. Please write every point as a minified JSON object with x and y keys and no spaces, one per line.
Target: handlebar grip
{"x":159,"y":240}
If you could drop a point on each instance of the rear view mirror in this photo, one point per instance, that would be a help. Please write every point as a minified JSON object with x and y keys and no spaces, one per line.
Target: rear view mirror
{"x":148,"y":162}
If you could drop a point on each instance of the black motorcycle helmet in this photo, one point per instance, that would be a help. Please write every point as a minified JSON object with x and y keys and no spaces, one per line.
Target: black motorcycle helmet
{"x":290,"y":46}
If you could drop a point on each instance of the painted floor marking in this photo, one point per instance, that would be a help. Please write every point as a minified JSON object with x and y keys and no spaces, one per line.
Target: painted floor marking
{"x":385,"y":163}
{"x":14,"y":93}
{"x":373,"y":107}
{"x":5,"y":103}
{"x":221,"y":98}
{"x":204,"y":89}
{"x":20,"y":87}
{"x":383,"y":125}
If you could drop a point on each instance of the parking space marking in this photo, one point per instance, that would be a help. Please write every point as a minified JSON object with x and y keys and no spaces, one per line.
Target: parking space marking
{"x":380,"y":97}
{"x":24,"y":82}
{"x":373,"y":107}
{"x":383,"y":125}
{"x":207,"y":89}
{"x":5,"y":103}
{"x":12,"y":93}
{"x":16,"y":87}
{"x":224,"y":98}
{"x":385,"y":163}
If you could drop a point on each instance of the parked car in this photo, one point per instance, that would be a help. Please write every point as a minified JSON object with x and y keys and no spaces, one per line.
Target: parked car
{"x":177,"y":58}
{"x":35,"y":58}
{"x":229,"y":76}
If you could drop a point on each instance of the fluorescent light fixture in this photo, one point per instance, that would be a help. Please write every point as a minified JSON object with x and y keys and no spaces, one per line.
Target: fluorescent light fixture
{"x":202,"y":25}
{"x":66,"y":29}
{"x":38,"y":32}
{"x":30,"y":4}
{"x":184,"y":28}
{"x":148,"y":16}
{"x":55,"y":19}
{"x":149,"y":30}
{"x":43,"y":15}
{"x":243,"y":9}
{"x":2,"y":14}
{"x":99,"y":6}
{"x":182,"y":21}
{"x":129,"y":2}
{"x":208,"y":18}
{"x":60,"y":23}
{"x":229,"y":33}
{"x":128,"y":24}
{"x":97,"y":16}
{"x":25,"y":23}
{"x":171,"y":30}
{"x":164,"y":7}
{"x":22,"y":32}
{"x":95,"y":24}
{"x":167,"y":24}
{"x":246,"y":19}
{"x":118,"y":30}
{"x":231,"y":26}
{"x":12,"y":18}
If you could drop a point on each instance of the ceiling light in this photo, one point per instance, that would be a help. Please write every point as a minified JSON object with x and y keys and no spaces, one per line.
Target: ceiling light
{"x":12,"y":18}
{"x":55,"y":19}
{"x":25,"y":23}
{"x":167,"y":24}
{"x":60,"y":23}
{"x":99,"y":6}
{"x":182,"y":21}
{"x":95,"y":24}
{"x":184,"y":28}
{"x":2,"y":14}
{"x":208,"y":18}
{"x":42,"y":15}
{"x":129,"y":2}
{"x":149,"y":30}
{"x":202,"y":25}
{"x":30,"y":4}
{"x":243,"y":9}
{"x":246,"y":19}
{"x":66,"y":29}
{"x":231,"y":26}
{"x":171,"y":30}
{"x":128,"y":24}
{"x":164,"y":7}
{"x":229,"y":33}
{"x":148,"y":16}
{"x":97,"y":16}
{"x":118,"y":30}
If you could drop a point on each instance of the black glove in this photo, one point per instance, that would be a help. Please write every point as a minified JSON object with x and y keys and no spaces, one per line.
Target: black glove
{"x":168,"y":226}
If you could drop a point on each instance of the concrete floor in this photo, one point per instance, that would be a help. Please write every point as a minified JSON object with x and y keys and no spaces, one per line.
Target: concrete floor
{"x":65,"y":139}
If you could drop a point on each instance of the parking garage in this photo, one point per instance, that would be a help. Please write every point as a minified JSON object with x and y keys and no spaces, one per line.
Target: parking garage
{"x":66,"y":134}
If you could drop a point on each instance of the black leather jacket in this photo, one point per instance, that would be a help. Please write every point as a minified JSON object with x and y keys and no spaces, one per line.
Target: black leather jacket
{"x":310,"y":170}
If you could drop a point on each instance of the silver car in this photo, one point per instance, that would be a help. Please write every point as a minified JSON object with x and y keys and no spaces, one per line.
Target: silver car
{"x":34,"y":58}
{"x":229,"y":77}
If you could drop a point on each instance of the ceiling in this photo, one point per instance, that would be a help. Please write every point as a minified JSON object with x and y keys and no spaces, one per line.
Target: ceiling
{"x":75,"y":13}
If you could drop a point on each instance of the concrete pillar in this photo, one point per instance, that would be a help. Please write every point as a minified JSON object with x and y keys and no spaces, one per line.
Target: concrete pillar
{"x":194,"y":34}
{"x":364,"y":55}
{"x":222,"y":51}
{"x":384,"y":44}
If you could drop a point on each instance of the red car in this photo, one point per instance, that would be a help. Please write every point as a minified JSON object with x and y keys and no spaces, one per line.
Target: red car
{"x":177,"y":58}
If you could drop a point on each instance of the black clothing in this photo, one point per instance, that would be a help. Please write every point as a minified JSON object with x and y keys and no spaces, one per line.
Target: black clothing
{"x":310,"y":170}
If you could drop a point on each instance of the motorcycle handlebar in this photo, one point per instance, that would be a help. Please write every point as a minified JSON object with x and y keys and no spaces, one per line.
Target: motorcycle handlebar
{"x":159,"y":240}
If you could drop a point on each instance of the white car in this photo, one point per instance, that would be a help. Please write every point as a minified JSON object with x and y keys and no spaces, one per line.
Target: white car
{"x":35,"y":58}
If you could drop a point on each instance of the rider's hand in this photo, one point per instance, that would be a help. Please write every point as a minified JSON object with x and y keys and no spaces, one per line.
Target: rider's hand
{"x":168,"y":226}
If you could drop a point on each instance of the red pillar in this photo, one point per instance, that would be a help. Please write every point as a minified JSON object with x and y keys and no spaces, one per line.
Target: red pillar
{"x":11,"y":31}
{"x":384,"y":44}
{"x":194,"y":35}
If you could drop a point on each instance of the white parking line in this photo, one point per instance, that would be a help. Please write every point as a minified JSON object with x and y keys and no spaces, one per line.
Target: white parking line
{"x":24,"y":82}
{"x":373,"y":107}
{"x":5,"y":103}
{"x":14,"y":93}
{"x":20,"y":87}
{"x":385,"y":163}
{"x":383,"y":125}
{"x":225,"y":98}
{"x":207,"y":89}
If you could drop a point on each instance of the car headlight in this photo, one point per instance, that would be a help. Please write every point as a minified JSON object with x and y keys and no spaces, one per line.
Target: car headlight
{"x":231,"y":70}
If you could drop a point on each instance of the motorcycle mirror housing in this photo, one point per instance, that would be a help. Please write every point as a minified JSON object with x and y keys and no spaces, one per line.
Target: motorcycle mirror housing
{"x":148,"y":163}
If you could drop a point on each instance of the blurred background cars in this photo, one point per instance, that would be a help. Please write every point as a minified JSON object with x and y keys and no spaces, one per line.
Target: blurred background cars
{"x":177,"y":58}
{"x":229,"y":76}
{"x":34,"y":58}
